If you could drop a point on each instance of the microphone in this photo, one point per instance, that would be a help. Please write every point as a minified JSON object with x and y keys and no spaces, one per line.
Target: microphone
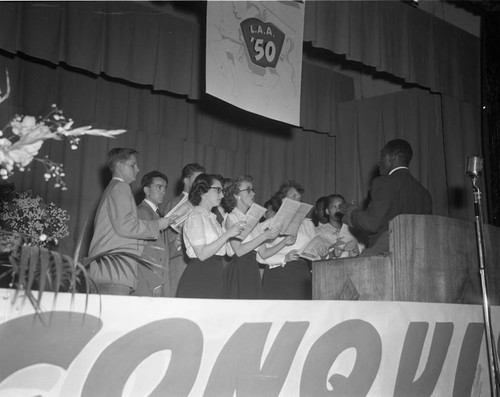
{"x":474,"y":166}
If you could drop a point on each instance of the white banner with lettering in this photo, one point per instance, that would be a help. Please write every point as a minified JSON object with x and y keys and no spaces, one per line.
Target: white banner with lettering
{"x":138,"y":346}
{"x":254,"y":56}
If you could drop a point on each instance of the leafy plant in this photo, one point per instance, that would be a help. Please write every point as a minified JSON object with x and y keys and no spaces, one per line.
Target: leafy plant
{"x":33,"y":268}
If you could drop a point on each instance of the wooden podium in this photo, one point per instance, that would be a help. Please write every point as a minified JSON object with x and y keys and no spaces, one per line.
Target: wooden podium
{"x":431,"y":259}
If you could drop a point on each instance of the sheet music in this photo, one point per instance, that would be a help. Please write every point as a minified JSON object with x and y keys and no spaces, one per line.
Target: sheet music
{"x":179,"y":213}
{"x":350,"y":245}
{"x":297,"y":220}
{"x":252,"y":217}
{"x":179,"y":204}
{"x":290,"y":216}
{"x":285,"y":213}
{"x":179,"y":221}
{"x":344,"y":243}
{"x":312,"y":249}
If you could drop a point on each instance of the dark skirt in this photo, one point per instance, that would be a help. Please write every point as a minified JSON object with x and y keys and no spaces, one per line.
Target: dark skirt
{"x":243,"y":278}
{"x":202,"y":279}
{"x":292,"y":281}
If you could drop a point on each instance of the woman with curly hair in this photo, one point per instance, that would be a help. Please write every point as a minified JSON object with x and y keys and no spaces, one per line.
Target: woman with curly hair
{"x":242,"y":273}
{"x":287,"y":276}
{"x":205,"y":241}
{"x":290,"y":189}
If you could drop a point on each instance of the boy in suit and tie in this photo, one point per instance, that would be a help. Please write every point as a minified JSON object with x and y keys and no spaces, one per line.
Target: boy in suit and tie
{"x":153,"y":283}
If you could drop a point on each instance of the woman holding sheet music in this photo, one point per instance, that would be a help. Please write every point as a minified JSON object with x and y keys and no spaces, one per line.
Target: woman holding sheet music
{"x":287,"y":276}
{"x":242,"y":273}
{"x":205,"y":241}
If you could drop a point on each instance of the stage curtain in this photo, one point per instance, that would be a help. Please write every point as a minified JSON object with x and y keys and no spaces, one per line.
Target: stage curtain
{"x":132,"y":41}
{"x":462,"y":138}
{"x":140,"y":45}
{"x":401,"y":40}
{"x":168,"y":131}
{"x":125,"y":40}
{"x":322,"y":91}
{"x":439,"y":139}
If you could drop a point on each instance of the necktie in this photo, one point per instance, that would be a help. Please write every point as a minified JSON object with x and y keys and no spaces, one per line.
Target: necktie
{"x":158,"y":212}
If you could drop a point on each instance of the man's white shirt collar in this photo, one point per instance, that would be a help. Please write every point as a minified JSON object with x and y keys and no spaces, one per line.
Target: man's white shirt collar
{"x":151,"y":204}
{"x":398,"y":168}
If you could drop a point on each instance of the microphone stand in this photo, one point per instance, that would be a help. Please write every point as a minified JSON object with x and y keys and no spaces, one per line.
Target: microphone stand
{"x":490,"y":342}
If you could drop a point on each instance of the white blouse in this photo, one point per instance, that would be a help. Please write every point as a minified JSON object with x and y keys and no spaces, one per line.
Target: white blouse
{"x":201,"y":228}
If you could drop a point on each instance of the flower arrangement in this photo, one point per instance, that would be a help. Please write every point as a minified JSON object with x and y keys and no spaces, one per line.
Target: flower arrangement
{"x":28,"y":224}
{"x":28,"y":215}
{"x":27,"y":134}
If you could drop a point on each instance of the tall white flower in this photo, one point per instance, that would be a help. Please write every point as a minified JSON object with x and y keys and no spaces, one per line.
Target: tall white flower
{"x":24,"y":154}
{"x":24,"y":126}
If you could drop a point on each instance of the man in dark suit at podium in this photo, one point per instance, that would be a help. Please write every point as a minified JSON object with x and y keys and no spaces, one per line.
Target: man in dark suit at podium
{"x":393,"y":193}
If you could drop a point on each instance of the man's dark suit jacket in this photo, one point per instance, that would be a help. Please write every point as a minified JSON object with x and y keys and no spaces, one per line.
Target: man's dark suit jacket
{"x":157,"y":251}
{"x":391,"y":195}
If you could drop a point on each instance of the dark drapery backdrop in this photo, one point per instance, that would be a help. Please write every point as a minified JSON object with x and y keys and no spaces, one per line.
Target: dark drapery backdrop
{"x":167,"y":130}
{"x":140,"y":70}
{"x":128,"y":40}
{"x":491,"y":113}
{"x":403,"y":41}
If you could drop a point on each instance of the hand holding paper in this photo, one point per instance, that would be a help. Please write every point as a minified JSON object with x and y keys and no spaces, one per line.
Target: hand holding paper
{"x":273,"y":232}
{"x":236,"y":229}
{"x":291,"y":256}
{"x":317,"y":248}
{"x":290,"y":215}
{"x":341,"y":246}
{"x":163,"y":223}
{"x":179,"y":213}
{"x":252,"y":217}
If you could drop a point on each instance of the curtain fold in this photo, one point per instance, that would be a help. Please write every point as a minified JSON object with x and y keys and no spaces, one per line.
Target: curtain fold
{"x":82,"y":36}
{"x":321,"y":93}
{"x":462,"y":138}
{"x":403,"y":41}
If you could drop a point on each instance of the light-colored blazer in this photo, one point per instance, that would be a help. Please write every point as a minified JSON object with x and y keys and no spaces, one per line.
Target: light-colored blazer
{"x":156,"y":251}
{"x":117,"y":227}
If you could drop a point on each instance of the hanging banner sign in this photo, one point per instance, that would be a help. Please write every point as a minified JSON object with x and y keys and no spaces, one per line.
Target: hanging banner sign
{"x":254,"y":56}
{"x":139,"y":346}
